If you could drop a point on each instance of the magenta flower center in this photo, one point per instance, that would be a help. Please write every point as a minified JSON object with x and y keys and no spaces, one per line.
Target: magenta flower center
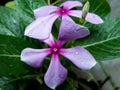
{"x":63,"y":11}
{"x":55,"y":49}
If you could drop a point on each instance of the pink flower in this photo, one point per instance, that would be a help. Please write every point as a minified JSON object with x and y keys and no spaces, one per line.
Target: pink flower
{"x":46,"y":16}
{"x":56,"y":73}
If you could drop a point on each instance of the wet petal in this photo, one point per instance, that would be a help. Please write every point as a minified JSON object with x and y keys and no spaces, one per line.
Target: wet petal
{"x":56,"y":73}
{"x":93,"y":18}
{"x":71,"y":4}
{"x":41,"y":27}
{"x":44,"y":11}
{"x":49,"y":41}
{"x":70,"y":30}
{"x":80,"y":57}
{"x":34,"y":57}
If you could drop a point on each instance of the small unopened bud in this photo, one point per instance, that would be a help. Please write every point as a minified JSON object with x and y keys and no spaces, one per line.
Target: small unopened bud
{"x":85,"y":10}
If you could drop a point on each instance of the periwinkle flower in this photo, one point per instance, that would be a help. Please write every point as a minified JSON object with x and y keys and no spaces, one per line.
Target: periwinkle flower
{"x":56,"y":73}
{"x":46,"y":16}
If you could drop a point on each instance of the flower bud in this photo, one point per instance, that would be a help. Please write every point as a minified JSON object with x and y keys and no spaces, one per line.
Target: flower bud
{"x":85,"y":11}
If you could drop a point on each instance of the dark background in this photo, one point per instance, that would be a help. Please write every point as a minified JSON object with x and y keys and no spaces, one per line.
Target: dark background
{"x":2,"y":2}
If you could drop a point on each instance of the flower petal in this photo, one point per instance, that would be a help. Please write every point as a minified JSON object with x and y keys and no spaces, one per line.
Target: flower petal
{"x":34,"y":57}
{"x":66,"y":17}
{"x":56,"y":73}
{"x":70,"y":30}
{"x":92,"y":18}
{"x":76,"y":13}
{"x":44,"y":11}
{"x":41,"y":27}
{"x":49,"y":41}
{"x":71,"y":4}
{"x":80,"y":57}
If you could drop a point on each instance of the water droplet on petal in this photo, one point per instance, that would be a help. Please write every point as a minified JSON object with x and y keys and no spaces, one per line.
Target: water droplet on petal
{"x":76,"y":53}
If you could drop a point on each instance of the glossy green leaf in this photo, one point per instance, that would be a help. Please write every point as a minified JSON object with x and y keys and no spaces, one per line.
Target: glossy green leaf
{"x":104,"y":40}
{"x":10,"y":50}
{"x":10,"y":23}
{"x":100,"y":7}
{"x":25,"y":9}
{"x":19,"y":83}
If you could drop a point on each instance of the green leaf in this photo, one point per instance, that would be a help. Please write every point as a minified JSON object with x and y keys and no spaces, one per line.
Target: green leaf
{"x":3,"y":80}
{"x":105,"y":50}
{"x":25,"y":9}
{"x":10,"y":50}
{"x":10,"y":23}
{"x":30,"y":83}
{"x":100,"y":7}
{"x":104,"y":40}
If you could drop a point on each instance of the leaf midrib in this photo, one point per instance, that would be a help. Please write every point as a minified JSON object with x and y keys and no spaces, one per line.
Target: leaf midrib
{"x":100,"y":42}
{"x":8,"y":55}
{"x":8,"y":29}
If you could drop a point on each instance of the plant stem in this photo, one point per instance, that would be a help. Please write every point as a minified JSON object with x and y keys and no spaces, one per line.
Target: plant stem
{"x":92,"y":76}
{"x":48,"y":2}
{"x":107,"y":74}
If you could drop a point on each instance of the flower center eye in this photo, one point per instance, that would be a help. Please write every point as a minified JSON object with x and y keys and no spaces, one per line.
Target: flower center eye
{"x":55,"y":49}
{"x":63,"y":11}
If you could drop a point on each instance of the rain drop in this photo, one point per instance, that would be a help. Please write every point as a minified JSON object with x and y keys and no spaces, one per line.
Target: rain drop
{"x":76,"y":53}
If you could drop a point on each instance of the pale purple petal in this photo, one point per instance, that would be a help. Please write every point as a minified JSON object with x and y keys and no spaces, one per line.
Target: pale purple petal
{"x":56,"y":73}
{"x":49,"y":41}
{"x":80,"y":57}
{"x":34,"y":57}
{"x":71,"y":4}
{"x":66,"y":17}
{"x":93,"y":18}
{"x":44,"y":11}
{"x":70,"y":30}
{"x":41,"y":27}
{"x":76,"y":13}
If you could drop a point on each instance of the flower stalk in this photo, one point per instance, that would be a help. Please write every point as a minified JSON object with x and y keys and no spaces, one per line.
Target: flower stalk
{"x":48,"y":2}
